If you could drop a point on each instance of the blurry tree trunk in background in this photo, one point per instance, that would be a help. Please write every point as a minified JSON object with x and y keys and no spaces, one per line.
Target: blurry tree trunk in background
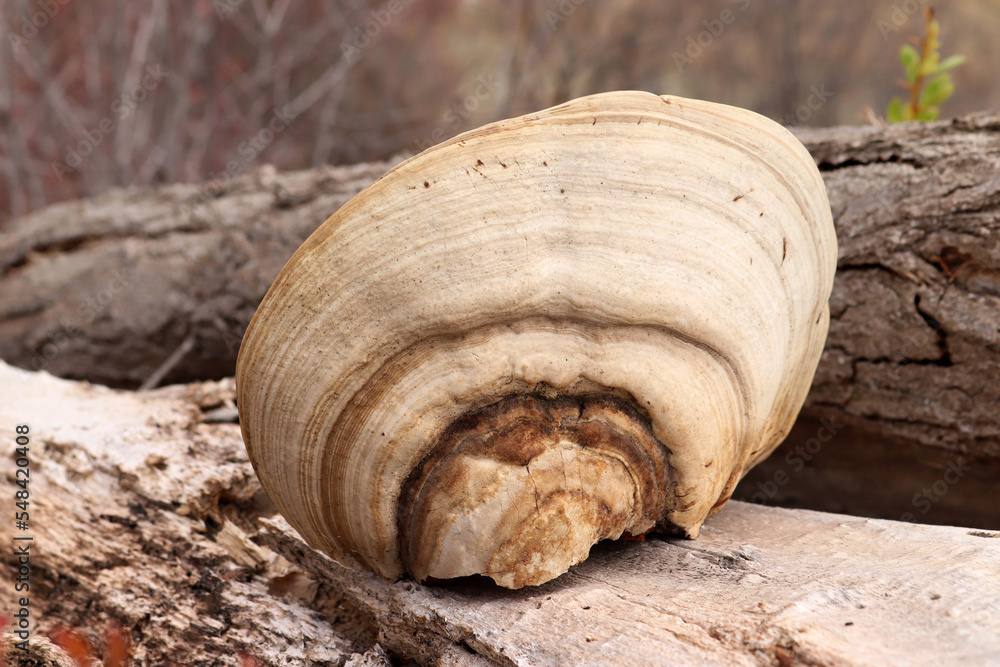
{"x":786,"y":45}
{"x":114,"y":93}
{"x":135,"y":93}
{"x":150,"y":287}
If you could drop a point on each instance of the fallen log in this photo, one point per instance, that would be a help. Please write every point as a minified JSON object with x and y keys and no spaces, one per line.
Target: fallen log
{"x":145,"y":510}
{"x":134,"y":502}
{"x":151,"y":287}
{"x":109,"y":289}
{"x":760,"y":586}
{"x":913,"y":354}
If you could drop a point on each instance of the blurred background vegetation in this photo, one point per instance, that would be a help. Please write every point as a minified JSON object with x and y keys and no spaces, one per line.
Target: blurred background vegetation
{"x":103,"y":93}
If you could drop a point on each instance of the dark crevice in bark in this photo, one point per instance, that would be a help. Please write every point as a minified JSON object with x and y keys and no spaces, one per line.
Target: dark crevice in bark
{"x":864,"y":160}
{"x":942,"y":335}
{"x":866,"y":266}
{"x":68,"y":245}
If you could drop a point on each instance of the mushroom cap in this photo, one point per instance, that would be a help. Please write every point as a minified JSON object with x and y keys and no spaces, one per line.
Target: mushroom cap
{"x":551,"y":330}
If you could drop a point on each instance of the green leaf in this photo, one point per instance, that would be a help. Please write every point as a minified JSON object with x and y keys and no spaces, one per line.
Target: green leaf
{"x":911,"y":61}
{"x":894,"y":112}
{"x":948,"y":63}
{"x":930,"y":64}
{"x":928,"y":114}
{"x":937,"y":91}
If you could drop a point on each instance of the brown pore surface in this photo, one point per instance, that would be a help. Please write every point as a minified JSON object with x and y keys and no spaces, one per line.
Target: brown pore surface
{"x":593,"y":469}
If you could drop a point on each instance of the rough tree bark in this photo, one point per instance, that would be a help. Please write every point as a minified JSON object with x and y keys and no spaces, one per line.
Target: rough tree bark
{"x":913,"y":356}
{"x":144,"y":509}
{"x":157,"y":286}
{"x":108,"y":289}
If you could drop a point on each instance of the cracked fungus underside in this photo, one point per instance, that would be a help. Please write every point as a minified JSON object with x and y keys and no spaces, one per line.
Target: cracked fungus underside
{"x":519,"y":491}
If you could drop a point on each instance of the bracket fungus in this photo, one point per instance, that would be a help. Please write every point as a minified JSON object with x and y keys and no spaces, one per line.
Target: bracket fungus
{"x":556,"y":329}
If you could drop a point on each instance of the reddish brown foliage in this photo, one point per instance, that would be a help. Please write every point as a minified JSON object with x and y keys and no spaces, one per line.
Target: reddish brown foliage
{"x":116,"y":646}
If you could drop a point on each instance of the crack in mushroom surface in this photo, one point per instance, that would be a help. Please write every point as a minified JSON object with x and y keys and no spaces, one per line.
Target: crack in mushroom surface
{"x":549,"y":331}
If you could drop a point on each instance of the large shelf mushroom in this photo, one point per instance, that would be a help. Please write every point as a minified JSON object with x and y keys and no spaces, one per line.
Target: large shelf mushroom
{"x":549,"y":331}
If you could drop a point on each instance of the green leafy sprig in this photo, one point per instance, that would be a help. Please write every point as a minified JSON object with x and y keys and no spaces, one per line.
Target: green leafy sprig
{"x":924,"y":67}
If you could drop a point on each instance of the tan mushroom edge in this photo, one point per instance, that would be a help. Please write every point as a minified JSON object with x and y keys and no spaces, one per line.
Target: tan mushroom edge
{"x":566,"y":327}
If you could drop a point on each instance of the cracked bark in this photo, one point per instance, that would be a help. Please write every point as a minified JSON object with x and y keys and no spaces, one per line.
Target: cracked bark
{"x":108,"y":289}
{"x":911,"y":362}
{"x":145,"y":509}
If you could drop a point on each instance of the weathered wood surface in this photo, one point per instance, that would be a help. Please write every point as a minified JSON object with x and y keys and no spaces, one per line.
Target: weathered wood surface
{"x":158,"y":286}
{"x":144,"y":509}
{"x":139,"y":506}
{"x":760,"y":586}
